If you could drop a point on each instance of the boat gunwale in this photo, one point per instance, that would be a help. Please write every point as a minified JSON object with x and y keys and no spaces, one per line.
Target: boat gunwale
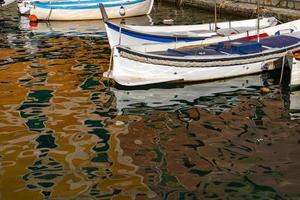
{"x":269,"y":22}
{"x":83,"y":5}
{"x":213,"y":61}
{"x":164,"y":35}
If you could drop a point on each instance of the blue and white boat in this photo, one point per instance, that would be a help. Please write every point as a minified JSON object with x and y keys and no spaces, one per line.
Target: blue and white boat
{"x":89,"y":9}
{"x":209,"y":59}
{"x":137,"y":35}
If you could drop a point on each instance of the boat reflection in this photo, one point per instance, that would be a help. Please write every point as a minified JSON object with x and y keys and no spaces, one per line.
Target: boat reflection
{"x":91,"y":28}
{"x":217,"y":95}
{"x":294,"y":104}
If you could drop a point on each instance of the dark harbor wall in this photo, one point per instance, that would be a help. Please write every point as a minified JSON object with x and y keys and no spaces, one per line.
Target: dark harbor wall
{"x":284,"y":10}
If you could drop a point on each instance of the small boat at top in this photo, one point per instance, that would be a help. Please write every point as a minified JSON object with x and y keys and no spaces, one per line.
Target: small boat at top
{"x":24,"y":6}
{"x":137,"y":35}
{"x":206,"y":60}
{"x":89,"y":9}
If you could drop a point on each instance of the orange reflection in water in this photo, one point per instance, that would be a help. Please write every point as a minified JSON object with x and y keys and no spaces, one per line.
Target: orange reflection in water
{"x":49,"y":145}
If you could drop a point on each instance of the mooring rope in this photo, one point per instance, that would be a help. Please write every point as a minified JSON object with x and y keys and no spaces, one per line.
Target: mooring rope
{"x":48,"y":18}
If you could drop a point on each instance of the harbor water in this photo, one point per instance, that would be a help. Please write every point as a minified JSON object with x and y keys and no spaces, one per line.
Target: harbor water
{"x":68,"y":133}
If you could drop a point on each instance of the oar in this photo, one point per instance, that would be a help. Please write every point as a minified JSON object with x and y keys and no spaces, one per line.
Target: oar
{"x":258,"y":16}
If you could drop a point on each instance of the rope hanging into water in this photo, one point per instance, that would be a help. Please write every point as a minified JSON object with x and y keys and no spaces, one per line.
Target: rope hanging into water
{"x":48,"y":18}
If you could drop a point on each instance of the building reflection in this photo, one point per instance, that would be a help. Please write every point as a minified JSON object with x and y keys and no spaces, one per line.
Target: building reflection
{"x":65,"y":135}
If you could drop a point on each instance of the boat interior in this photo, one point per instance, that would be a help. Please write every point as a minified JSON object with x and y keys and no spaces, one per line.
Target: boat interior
{"x":235,"y":47}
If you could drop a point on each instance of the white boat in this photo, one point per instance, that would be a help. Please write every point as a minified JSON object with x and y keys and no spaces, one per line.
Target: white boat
{"x":138,"y":35}
{"x":89,"y":9}
{"x":24,"y":6}
{"x":231,"y":56}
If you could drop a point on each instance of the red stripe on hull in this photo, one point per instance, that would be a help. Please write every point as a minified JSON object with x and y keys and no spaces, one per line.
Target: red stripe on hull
{"x":255,"y":36}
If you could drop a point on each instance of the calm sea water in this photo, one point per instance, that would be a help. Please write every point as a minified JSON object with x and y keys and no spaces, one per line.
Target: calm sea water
{"x":66,"y":133}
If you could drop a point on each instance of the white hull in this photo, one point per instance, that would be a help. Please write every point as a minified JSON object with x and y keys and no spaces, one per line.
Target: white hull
{"x":150,"y":64}
{"x":156,"y":34}
{"x":139,"y":73}
{"x":241,"y":24}
{"x":137,"y":9}
{"x":285,"y":28}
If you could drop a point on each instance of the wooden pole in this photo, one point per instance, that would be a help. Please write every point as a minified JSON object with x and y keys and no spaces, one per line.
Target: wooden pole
{"x":282,"y":69}
{"x":215,"y":15}
{"x":258,"y":16}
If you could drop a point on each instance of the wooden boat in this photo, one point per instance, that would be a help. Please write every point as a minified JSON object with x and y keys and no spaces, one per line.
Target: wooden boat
{"x":138,"y":35}
{"x":24,"y":6}
{"x":209,"y":59}
{"x":89,"y":9}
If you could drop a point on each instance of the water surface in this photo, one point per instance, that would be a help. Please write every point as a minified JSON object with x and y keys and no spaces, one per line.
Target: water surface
{"x":66,"y":133}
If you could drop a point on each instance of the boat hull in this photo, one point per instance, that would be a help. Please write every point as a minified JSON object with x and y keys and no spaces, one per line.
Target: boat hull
{"x":134,"y":8}
{"x":138,"y":35}
{"x":220,"y":61}
{"x":140,"y":73}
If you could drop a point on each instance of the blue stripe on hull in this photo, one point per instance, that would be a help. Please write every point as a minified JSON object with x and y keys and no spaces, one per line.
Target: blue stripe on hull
{"x":82,"y":5}
{"x":154,"y":38}
{"x":68,"y":2}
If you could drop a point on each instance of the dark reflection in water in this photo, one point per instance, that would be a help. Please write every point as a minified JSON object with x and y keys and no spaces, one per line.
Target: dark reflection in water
{"x":65,"y":134}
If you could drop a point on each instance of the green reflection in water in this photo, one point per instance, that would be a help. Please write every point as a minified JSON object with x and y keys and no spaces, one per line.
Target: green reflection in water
{"x":253,"y":190}
{"x":32,"y":109}
{"x":89,"y":84}
{"x":43,"y":174}
{"x":45,"y":170}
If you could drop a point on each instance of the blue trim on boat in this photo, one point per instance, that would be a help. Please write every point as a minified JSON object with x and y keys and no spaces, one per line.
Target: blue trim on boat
{"x":68,"y":2}
{"x":83,"y":5}
{"x":152,"y":37}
